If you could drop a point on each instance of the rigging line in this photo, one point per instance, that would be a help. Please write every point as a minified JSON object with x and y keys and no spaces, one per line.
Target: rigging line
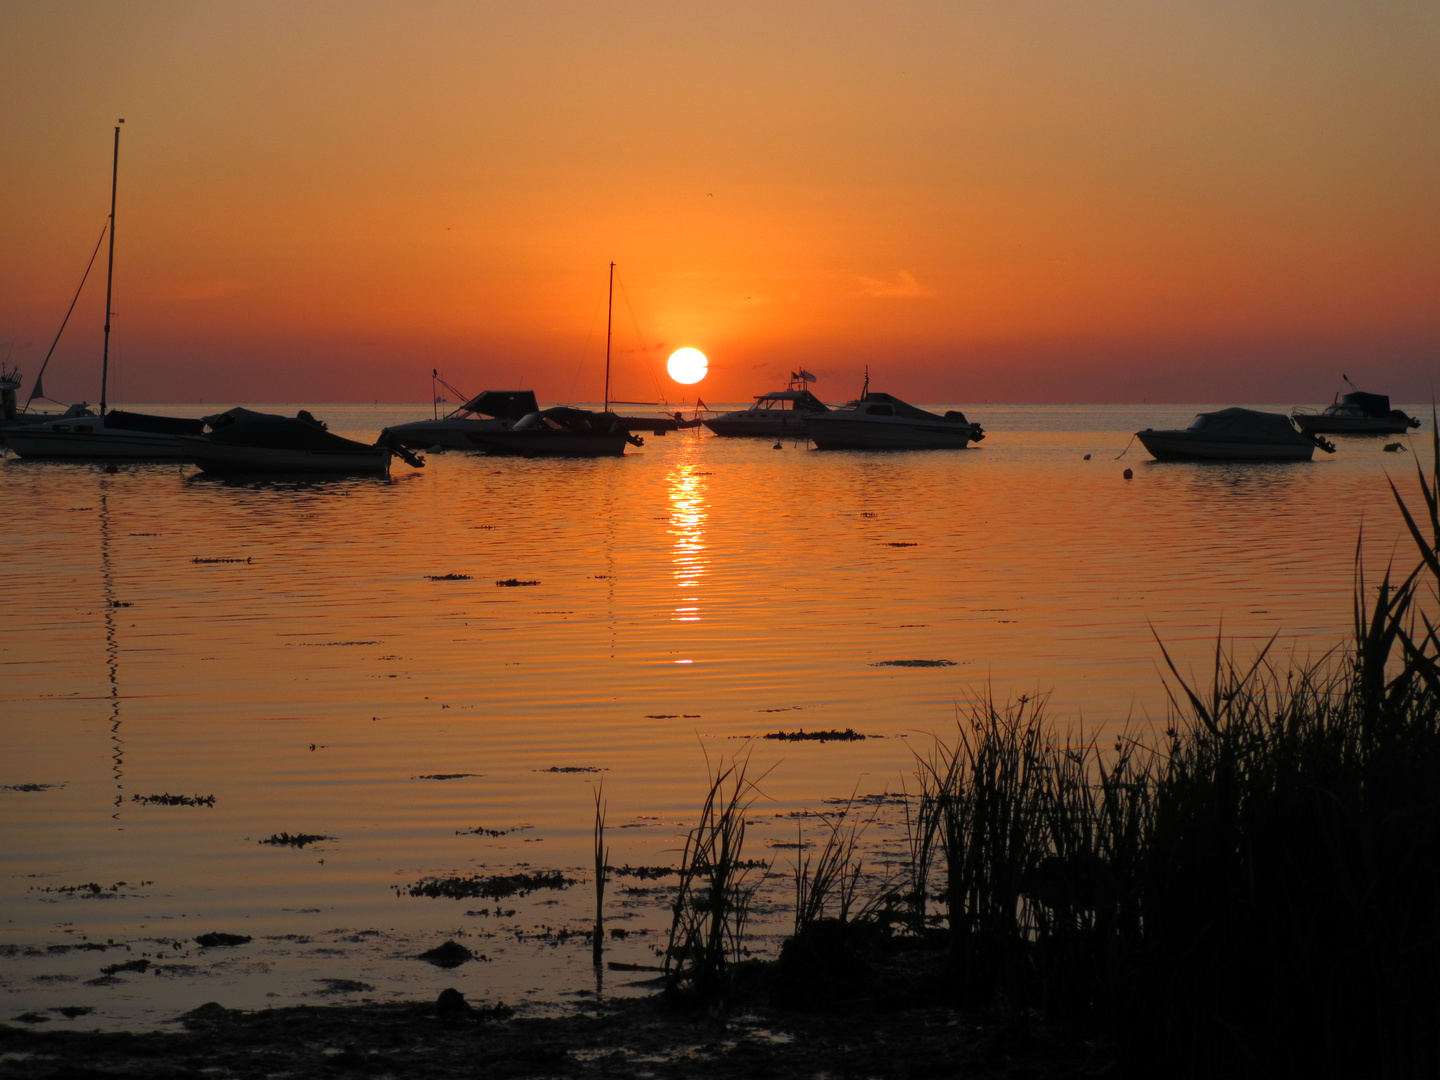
{"x":644,"y":348}
{"x":41,"y":373}
{"x":459,"y":394}
{"x":1127,"y":448}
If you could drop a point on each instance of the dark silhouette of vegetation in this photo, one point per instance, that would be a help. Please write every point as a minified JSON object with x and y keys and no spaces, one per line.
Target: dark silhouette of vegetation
{"x":1254,"y":893}
{"x":712,"y":901}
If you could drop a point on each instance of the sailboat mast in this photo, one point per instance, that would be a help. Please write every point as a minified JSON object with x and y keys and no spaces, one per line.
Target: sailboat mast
{"x":110,"y":271}
{"x":609,"y":316}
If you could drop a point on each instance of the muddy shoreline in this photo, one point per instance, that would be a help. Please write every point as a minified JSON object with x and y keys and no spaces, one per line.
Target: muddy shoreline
{"x":632,"y":1038}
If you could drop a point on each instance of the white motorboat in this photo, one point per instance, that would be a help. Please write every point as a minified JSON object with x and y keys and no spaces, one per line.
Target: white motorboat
{"x":242,"y":441}
{"x":780,"y":414}
{"x":876,"y":421}
{"x":116,"y":435}
{"x":113,"y":434}
{"x":1234,"y":435}
{"x":776,"y":415}
{"x":492,"y":410}
{"x":1356,"y":413}
{"x":12,"y":416}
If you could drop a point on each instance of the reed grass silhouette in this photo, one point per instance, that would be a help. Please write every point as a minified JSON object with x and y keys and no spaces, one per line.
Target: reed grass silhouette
{"x":1253,"y":892}
{"x":602,"y":871}
{"x":712,"y":900}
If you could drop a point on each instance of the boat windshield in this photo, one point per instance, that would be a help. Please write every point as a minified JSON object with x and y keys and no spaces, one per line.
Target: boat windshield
{"x":1199,"y":423}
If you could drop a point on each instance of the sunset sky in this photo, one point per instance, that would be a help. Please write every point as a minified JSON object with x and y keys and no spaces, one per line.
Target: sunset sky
{"x":1078,"y":201}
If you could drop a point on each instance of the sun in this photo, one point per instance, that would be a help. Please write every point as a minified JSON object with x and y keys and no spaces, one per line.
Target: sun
{"x":687,"y":365}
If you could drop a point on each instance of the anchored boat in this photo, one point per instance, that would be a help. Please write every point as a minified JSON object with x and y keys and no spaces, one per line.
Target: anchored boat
{"x":1356,"y":413}
{"x":560,"y":432}
{"x":112,"y":435}
{"x":876,"y":421}
{"x":1234,"y":435}
{"x":242,"y":441}
{"x":493,"y":410}
{"x":778,"y":414}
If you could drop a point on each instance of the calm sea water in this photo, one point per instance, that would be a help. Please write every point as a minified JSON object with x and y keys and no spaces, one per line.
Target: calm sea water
{"x":285,"y":648}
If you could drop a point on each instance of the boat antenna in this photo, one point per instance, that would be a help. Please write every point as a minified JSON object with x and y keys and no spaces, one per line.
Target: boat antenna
{"x":434,"y":397}
{"x":609,"y":320}
{"x":110,"y":270}
{"x":865,"y":390}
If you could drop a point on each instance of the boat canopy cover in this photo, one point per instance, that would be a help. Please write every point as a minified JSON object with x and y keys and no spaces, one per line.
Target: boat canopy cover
{"x":155,"y":425}
{"x":564,"y":418}
{"x":1246,"y":423}
{"x":1369,"y":404}
{"x":797,"y":396}
{"x":901,"y":408}
{"x":300,"y":432}
{"x":502,"y":404}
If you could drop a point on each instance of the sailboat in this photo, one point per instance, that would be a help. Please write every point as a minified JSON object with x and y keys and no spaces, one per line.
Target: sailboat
{"x":114,"y":434}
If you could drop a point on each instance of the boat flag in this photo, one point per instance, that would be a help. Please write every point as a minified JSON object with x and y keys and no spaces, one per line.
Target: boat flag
{"x":39,"y":390}
{"x":806,"y":375}
{"x":700,"y":404}
{"x":793,"y":376}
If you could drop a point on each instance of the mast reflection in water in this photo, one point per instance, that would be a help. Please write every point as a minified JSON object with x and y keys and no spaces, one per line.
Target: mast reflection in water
{"x":112,"y":647}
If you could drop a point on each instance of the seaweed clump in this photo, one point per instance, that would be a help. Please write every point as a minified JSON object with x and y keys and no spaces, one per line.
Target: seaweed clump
{"x":848,"y":735}
{"x":174,"y":800}
{"x":487,"y":887}
{"x":296,"y":840}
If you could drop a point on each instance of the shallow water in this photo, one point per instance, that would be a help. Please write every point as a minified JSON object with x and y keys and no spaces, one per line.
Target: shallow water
{"x":285,"y":648}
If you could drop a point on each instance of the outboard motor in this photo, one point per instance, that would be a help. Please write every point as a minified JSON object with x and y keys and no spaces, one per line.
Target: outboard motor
{"x":388,"y":440}
{"x":1404,"y":417}
{"x":976,"y":431}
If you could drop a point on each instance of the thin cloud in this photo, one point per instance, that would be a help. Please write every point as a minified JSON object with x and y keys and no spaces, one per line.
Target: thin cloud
{"x":903,"y":286}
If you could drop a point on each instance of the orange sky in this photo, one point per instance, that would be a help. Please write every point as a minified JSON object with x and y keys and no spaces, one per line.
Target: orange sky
{"x":1029,"y":201}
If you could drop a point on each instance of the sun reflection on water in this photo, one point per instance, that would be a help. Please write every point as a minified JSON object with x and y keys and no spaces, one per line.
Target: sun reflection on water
{"x":688,"y":513}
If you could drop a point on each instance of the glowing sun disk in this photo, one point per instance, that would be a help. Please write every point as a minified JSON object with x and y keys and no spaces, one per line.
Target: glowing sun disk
{"x":687,"y":365}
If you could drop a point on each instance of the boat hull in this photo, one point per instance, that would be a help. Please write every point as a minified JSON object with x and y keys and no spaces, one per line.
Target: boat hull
{"x":449,"y":434}
{"x":1186,"y":446}
{"x":785,"y":425}
{"x":90,"y":442}
{"x":550,"y":444}
{"x":832,"y":432}
{"x":1320,"y":424}
{"x":236,"y":459}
